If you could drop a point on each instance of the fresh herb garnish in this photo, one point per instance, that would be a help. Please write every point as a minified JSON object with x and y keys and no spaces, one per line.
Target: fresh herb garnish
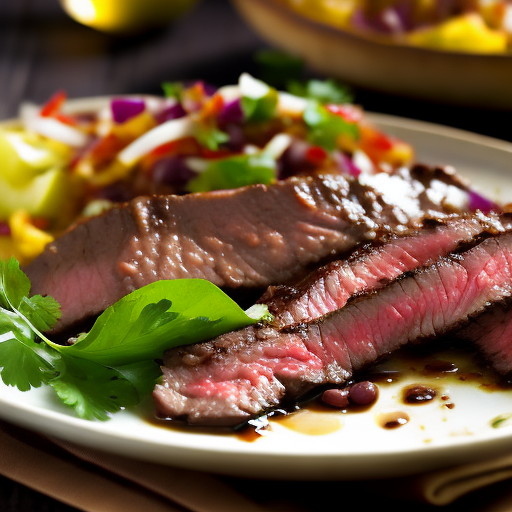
{"x":323,"y":91}
{"x":173,"y":90}
{"x":258,"y":100}
{"x":503,"y":420}
{"x":325,"y":128}
{"x":113,"y":365}
{"x":236,"y":171}
{"x":211,"y":137}
{"x":260,"y":109}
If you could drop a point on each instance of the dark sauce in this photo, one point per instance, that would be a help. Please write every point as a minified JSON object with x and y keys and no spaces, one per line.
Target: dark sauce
{"x":418,"y":394}
{"x":392,"y":420}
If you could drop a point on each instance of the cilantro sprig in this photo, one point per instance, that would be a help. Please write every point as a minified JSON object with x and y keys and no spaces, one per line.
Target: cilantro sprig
{"x":114,"y":365}
{"x":323,"y":91}
{"x":325,"y":128}
{"x":236,"y":171}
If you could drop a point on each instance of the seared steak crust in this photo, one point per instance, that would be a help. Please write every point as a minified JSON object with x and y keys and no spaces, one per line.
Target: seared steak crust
{"x":242,"y":374}
{"x":373,"y":266}
{"x":250,"y":237}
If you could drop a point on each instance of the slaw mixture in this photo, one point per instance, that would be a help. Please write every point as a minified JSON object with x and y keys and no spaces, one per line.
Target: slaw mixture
{"x":58,"y":166}
{"x":476,"y":26}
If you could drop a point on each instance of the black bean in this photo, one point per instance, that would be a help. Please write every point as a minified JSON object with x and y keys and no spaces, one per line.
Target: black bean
{"x":363,"y":393}
{"x":336,"y":397}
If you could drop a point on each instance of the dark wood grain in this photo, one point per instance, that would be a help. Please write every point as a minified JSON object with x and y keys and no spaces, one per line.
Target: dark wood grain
{"x":42,"y":50}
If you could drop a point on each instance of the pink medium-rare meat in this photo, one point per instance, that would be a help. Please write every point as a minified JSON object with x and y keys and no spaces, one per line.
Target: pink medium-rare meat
{"x":491,"y":333}
{"x":249,"y":237}
{"x":243,"y":374}
{"x":374,"y":265}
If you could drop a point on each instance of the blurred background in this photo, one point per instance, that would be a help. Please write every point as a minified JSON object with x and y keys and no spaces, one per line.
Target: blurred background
{"x":44,"y":49}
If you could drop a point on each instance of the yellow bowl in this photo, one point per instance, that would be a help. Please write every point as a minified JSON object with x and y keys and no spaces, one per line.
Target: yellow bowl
{"x":450,"y":77}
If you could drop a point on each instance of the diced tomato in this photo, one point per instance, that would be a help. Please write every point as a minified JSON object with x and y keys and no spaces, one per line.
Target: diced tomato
{"x":213,"y":106}
{"x":380,"y":141}
{"x":383,"y":148}
{"x":316,"y":155}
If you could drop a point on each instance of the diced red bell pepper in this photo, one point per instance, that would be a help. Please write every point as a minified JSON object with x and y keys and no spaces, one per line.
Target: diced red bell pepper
{"x":52,"y":108}
{"x":349,"y":113}
{"x":316,"y":155}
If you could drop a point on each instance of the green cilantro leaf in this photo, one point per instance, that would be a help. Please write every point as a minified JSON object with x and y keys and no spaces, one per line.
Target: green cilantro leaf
{"x":260,"y":109}
{"x":323,"y":91}
{"x":325,"y":127}
{"x":146,"y":322}
{"x":94,"y":391}
{"x":14,"y":284}
{"x":173,"y":90}
{"x":42,"y":312}
{"x":25,"y":364}
{"x":236,"y":171}
{"x":211,"y":137}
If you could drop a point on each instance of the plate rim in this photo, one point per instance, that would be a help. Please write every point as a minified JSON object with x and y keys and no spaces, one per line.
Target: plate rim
{"x":23,"y":414}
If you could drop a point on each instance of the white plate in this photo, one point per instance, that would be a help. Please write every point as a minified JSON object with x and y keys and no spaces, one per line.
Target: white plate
{"x":358,"y":447}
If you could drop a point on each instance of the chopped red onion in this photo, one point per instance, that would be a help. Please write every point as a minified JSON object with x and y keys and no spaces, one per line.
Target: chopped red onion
{"x":231,"y":113}
{"x":237,"y":138}
{"x":174,"y":111}
{"x":172,"y":171}
{"x":124,"y":109}
{"x":5,"y":230}
{"x":346,"y":165}
{"x":209,"y":89}
{"x":293,"y":161}
{"x":478,"y":202}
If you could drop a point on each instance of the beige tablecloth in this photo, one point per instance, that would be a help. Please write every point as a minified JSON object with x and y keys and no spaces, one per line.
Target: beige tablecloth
{"x":95,"y":481}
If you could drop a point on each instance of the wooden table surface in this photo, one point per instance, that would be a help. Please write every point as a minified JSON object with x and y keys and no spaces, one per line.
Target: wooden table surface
{"x":42,"y":50}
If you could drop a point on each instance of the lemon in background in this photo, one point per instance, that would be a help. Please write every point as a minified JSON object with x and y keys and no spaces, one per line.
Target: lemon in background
{"x":126,"y":16}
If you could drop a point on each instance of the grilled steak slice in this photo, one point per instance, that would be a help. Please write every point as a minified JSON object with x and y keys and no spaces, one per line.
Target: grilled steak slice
{"x":491,"y":332}
{"x":243,"y":374}
{"x":374,"y":265}
{"x":252,"y":237}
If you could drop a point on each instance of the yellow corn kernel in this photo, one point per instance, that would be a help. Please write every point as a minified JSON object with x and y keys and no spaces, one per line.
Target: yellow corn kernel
{"x":134,"y":127}
{"x":400,"y":154}
{"x":8,"y":248}
{"x":29,"y":241}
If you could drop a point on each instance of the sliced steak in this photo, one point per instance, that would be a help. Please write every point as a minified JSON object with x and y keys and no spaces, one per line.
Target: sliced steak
{"x":374,"y":265}
{"x":491,"y":332}
{"x":252,"y":237}
{"x":243,"y":374}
